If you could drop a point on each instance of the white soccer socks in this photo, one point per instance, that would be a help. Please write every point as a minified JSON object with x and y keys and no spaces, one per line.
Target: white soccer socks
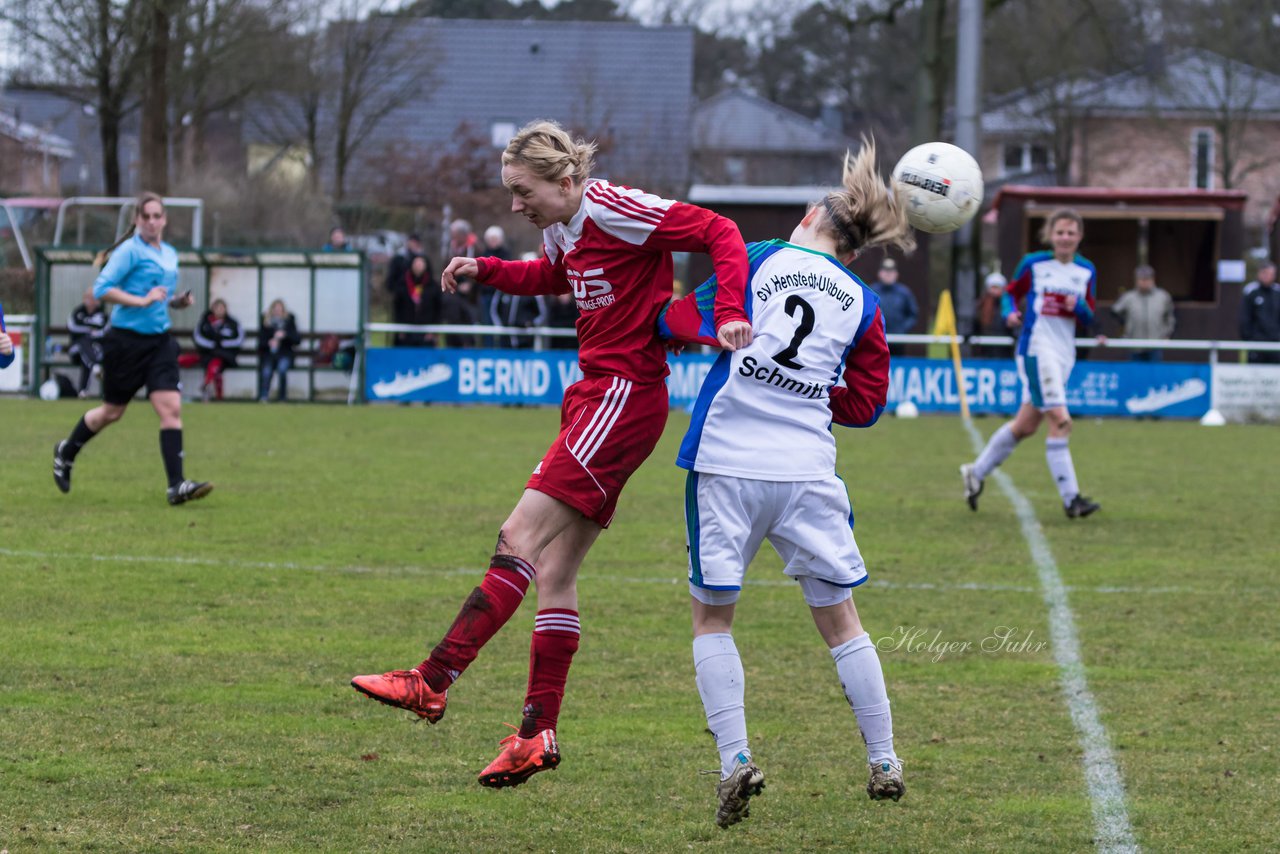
{"x":1058,"y":454}
{"x":998,"y":449}
{"x":863,"y":683}
{"x":723,"y":690}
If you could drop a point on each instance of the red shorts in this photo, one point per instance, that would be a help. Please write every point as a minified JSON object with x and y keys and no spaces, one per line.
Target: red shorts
{"x":608,"y":427}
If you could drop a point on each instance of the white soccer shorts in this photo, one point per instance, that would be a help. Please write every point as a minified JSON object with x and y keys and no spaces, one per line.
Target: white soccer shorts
{"x":809,"y":524}
{"x":1044,"y":380}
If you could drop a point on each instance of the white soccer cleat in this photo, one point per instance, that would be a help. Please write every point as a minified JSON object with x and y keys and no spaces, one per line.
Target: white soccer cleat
{"x":886,"y":780}
{"x":972,"y":485}
{"x":745,"y":782}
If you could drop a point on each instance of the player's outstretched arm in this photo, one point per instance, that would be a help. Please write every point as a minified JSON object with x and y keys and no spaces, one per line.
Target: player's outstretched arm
{"x":457,"y":267}
{"x":690,"y":320}
{"x":862,"y":399}
{"x":523,"y":278}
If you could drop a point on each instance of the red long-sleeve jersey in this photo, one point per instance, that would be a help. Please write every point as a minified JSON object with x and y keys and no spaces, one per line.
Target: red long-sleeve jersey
{"x":615,"y":256}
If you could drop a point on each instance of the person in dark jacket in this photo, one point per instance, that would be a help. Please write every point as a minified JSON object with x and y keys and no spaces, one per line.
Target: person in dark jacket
{"x":276,"y":340}
{"x":87,"y":324}
{"x":897,"y":303}
{"x":416,"y":301}
{"x":401,"y":261}
{"x":1260,"y":313}
{"x":988,"y":320}
{"x":562,"y":313}
{"x":218,"y":339}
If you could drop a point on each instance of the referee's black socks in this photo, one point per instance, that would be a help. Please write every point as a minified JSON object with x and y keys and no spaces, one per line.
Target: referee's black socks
{"x":76,"y":440}
{"x":171,"y":450}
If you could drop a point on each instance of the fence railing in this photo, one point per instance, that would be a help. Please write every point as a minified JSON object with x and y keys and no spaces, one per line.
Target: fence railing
{"x":541,"y":333}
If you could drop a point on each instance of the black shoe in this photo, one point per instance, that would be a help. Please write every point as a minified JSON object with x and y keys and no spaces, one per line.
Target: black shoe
{"x":1081,"y":506}
{"x":188,"y":490}
{"x":61,"y":468}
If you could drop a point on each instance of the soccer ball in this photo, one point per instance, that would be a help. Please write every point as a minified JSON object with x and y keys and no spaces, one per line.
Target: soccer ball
{"x":906,"y":409}
{"x":942,"y":185}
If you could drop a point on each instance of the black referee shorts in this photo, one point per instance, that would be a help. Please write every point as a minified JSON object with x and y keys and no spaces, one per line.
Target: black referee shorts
{"x":131,"y":361}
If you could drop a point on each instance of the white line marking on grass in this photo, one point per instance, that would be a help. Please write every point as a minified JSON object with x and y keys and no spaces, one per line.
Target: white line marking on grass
{"x":356,"y":569}
{"x":1102,"y":775}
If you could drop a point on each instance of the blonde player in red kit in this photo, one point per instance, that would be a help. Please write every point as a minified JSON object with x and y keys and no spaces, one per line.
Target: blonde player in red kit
{"x":611,"y":247}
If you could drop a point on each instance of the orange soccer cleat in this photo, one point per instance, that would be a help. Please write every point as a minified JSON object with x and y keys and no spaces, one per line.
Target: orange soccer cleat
{"x":404,"y":689}
{"x":521,"y":758}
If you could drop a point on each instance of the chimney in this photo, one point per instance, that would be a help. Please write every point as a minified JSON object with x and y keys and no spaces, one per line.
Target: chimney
{"x":830,"y":117}
{"x":1153,"y":60}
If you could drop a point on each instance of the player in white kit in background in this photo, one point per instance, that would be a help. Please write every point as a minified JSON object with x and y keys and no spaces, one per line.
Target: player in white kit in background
{"x":1058,"y":288}
{"x":761,"y":460}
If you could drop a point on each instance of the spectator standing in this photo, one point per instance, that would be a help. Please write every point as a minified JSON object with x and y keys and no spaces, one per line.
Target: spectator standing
{"x":460,"y":306}
{"x":897,"y":303}
{"x":463,"y":244}
{"x":1260,"y":313}
{"x":399,"y":264}
{"x":495,"y":246}
{"x":417,"y":302}
{"x":516,"y":310}
{"x":87,"y":324}
{"x":562,"y":313}
{"x":337,"y":241}
{"x":276,"y":340}
{"x":988,"y":320}
{"x":1146,"y":312}
{"x":218,"y":339}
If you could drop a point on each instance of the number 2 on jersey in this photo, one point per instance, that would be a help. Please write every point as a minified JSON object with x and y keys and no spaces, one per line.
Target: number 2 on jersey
{"x":787,"y":357}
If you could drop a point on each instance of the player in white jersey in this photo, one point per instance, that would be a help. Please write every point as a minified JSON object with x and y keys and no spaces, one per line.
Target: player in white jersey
{"x":761,"y":460}
{"x":1058,"y":288}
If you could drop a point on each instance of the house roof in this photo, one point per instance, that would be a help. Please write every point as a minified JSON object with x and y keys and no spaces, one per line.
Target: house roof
{"x":712,"y":194}
{"x":33,"y":138}
{"x":736,"y":120}
{"x":74,"y":121}
{"x":1188,"y":81}
{"x":1120,"y":196}
{"x":629,"y":82}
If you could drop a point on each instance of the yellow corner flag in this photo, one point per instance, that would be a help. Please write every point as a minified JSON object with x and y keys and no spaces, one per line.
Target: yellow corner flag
{"x":945,"y":324}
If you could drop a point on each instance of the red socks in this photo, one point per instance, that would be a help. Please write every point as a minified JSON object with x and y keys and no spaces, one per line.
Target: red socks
{"x":555,"y":640}
{"x":486,"y":610}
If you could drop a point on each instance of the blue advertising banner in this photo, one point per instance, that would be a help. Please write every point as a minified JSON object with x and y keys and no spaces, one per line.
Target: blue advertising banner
{"x":528,"y":377}
{"x":1095,"y":388}
{"x":500,"y":376}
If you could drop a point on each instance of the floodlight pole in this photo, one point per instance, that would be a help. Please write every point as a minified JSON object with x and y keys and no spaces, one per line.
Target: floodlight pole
{"x":966,"y":243}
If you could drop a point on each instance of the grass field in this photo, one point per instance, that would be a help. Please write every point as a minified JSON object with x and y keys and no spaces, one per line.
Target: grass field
{"x":177,"y":678}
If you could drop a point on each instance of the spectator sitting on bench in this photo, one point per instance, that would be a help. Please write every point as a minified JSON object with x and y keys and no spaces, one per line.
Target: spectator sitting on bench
{"x":276,"y":340}
{"x":218,"y":339}
{"x":87,"y":324}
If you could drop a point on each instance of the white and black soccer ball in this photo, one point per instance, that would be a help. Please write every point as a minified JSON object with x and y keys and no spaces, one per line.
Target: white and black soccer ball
{"x":942,"y":185}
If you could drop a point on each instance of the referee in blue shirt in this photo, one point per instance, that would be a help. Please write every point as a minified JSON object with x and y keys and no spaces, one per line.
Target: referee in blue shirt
{"x":137,"y":350}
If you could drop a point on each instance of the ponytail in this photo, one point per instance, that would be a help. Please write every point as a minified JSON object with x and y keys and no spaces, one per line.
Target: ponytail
{"x":101,"y":258}
{"x":867,"y":213}
{"x":138,"y":204}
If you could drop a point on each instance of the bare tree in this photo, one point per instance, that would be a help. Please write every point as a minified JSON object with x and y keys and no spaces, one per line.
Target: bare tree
{"x":157,"y":17}
{"x":1235,"y":68}
{"x":380,"y":67}
{"x":1050,"y":55}
{"x":339,"y":81}
{"x":220,"y":63}
{"x":91,"y":51}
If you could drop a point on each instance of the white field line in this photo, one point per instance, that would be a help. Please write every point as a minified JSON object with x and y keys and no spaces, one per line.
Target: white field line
{"x":673,"y":579}
{"x":1112,"y":831}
